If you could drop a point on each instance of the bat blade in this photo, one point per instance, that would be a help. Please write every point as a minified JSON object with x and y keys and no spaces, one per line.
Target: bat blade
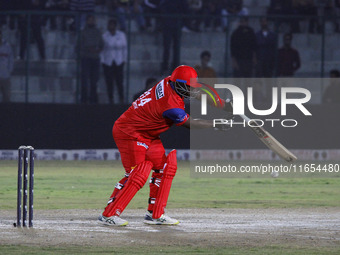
{"x":270,"y":141}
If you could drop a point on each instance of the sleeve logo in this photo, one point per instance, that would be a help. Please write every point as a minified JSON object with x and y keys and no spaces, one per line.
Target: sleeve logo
{"x":159,"y":90}
{"x":142,"y":144}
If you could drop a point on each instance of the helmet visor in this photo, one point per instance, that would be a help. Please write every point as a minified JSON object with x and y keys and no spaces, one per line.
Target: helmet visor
{"x":185,"y":90}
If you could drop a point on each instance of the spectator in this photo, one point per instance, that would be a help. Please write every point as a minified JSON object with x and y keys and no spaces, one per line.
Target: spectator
{"x":5,"y":5}
{"x":171,"y":30}
{"x":232,"y":7}
{"x":9,"y":5}
{"x":280,"y":7}
{"x":36,"y":23}
{"x":195,"y":7}
{"x":243,"y":50}
{"x":91,"y":44}
{"x":306,"y":8}
{"x":51,"y":5}
{"x":332,"y":93}
{"x":337,"y":14}
{"x":85,"y":8}
{"x":283,"y":8}
{"x":6,"y":67}
{"x":330,"y":9}
{"x":288,"y":58}
{"x":211,"y":10}
{"x":66,"y":20}
{"x":204,"y":70}
{"x":150,"y":82}
{"x":151,"y":7}
{"x":113,"y":57}
{"x":125,"y":7}
{"x":56,"y":5}
{"x":266,"y":42}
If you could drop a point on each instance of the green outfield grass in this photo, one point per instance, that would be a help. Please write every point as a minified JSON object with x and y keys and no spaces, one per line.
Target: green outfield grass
{"x":66,"y":184}
{"x":87,"y":185}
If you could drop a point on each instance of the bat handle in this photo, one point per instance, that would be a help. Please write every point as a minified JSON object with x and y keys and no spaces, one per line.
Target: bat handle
{"x":244,"y":117}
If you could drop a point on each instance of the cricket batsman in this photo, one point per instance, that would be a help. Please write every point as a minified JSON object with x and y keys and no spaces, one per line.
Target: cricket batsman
{"x":136,"y":133}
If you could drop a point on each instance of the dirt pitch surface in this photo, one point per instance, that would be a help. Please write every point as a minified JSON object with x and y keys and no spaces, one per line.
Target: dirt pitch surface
{"x":198,"y":227}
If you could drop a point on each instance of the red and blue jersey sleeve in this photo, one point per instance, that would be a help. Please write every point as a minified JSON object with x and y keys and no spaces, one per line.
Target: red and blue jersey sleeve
{"x":177,"y":115}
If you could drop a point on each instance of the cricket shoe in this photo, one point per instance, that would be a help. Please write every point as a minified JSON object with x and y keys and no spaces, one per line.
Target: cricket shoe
{"x":112,"y":221}
{"x":163,"y":220}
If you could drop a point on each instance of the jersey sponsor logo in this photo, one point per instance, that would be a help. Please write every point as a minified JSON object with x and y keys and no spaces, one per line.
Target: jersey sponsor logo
{"x":160,"y":90}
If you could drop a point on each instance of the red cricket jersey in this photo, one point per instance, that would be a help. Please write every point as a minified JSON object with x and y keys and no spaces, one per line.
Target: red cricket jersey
{"x":153,"y":112}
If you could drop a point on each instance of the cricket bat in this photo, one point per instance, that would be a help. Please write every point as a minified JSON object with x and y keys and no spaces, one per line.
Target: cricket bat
{"x":270,"y":141}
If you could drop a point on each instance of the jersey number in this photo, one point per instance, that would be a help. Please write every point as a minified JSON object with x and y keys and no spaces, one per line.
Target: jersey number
{"x":143,"y":99}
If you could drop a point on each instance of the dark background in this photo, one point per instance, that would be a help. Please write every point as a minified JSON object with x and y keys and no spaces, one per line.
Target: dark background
{"x":55,"y":126}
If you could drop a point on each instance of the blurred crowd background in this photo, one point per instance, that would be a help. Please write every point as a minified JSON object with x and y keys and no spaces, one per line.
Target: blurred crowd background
{"x":109,"y":51}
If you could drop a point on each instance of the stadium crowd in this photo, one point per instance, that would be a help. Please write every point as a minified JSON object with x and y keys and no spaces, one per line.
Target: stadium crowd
{"x":253,"y":53}
{"x":212,"y":14}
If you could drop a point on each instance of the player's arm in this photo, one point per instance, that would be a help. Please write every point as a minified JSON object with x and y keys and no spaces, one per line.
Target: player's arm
{"x":181,"y":118}
{"x":198,"y":123}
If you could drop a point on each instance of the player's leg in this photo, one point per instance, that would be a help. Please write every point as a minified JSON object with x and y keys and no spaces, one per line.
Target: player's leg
{"x":84,"y":67}
{"x":155,"y":182}
{"x":119,"y":186}
{"x":128,"y":162}
{"x":119,"y":76}
{"x":169,"y":173}
{"x":5,"y":90}
{"x":131,"y":154}
{"x":136,"y":181}
{"x":94,"y":77}
{"x":137,"y":171}
{"x":160,"y":183}
{"x":155,"y":154}
{"x":109,"y":81}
